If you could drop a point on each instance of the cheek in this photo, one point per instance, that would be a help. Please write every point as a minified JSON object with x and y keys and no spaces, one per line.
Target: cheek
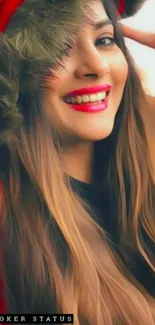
{"x":61,"y":77}
{"x":119,"y":69}
{"x":57,"y":81}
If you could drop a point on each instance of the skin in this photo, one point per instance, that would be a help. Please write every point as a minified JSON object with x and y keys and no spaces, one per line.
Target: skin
{"x":94,"y":60}
{"x":145,"y":38}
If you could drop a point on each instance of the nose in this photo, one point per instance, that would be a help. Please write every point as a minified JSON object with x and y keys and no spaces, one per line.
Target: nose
{"x":92,"y":65}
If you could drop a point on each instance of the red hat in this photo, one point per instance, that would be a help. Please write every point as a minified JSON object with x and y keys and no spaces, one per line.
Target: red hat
{"x":7,"y":9}
{"x":121,"y":7}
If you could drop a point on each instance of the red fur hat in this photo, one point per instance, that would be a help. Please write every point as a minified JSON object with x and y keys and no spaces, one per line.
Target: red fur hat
{"x":7,"y":9}
{"x":121,"y":7}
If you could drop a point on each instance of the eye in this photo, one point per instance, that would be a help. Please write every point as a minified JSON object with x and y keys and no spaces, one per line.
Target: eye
{"x":105,"y":41}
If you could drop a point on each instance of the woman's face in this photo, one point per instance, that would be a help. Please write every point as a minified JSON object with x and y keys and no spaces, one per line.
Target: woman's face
{"x":85,"y":95}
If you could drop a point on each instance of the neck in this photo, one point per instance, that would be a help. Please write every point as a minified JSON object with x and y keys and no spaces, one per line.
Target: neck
{"x":78,"y":160}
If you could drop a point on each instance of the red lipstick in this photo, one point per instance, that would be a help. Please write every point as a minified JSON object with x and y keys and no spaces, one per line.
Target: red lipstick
{"x":91,"y":106}
{"x":90,"y":90}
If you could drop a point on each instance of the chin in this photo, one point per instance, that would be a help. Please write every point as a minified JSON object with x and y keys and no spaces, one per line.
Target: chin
{"x":98,"y":133}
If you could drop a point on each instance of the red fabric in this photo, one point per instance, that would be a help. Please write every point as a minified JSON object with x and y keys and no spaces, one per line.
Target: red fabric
{"x":1,"y":188}
{"x":121,"y":7}
{"x":2,"y":301}
{"x":7,"y":9}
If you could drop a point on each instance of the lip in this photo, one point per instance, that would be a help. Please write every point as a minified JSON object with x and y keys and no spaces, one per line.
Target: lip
{"x":89,"y":90}
{"x":90,"y":107}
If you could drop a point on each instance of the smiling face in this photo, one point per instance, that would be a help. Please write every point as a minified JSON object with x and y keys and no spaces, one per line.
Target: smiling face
{"x":86,"y":93}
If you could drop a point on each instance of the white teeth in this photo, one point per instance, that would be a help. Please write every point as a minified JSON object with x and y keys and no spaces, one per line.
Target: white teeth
{"x":101,"y":96}
{"x":93,"y":98}
{"x":86,"y":98}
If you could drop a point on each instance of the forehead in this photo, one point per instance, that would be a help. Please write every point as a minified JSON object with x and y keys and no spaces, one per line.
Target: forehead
{"x":96,"y":11}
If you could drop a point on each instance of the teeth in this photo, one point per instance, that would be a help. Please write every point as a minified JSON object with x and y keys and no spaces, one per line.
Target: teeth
{"x":78,"y":99}
{"x":101,"y":96}
{"x":93,"y":98}
{"x":68,"y":100}
{"x":86,"y":98}
{"x":73,"y":100}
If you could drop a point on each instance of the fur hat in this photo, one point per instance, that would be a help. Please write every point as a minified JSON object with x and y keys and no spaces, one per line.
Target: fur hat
{"x":35,"y":39}
{"x":128,"y":7}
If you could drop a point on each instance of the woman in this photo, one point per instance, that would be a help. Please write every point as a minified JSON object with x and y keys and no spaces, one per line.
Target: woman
{"x":77,"y":213}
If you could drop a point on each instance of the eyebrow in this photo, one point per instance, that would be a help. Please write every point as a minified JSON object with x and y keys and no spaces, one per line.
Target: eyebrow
{"x":102,"y":23}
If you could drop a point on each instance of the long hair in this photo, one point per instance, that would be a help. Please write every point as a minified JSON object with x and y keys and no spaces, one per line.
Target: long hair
{"x":51,"y":264}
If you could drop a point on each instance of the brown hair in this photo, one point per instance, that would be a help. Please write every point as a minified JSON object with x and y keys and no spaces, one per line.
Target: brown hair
{"x":50,"y":261}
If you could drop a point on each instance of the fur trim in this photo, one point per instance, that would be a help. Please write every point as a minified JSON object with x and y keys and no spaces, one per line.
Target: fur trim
{"x":10,"y":117}
{"x":34,"y":41}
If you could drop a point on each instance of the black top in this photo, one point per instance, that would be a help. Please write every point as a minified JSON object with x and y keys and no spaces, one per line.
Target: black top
{"x":100,"y":203}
